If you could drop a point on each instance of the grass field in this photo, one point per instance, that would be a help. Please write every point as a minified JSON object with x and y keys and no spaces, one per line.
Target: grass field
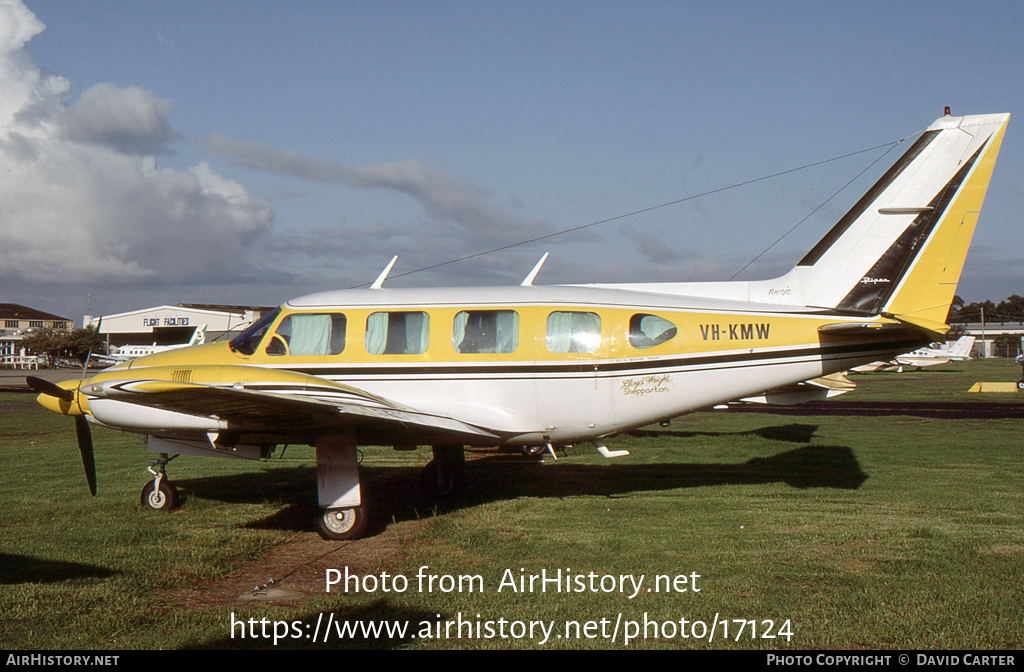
{"x":842,"y":531}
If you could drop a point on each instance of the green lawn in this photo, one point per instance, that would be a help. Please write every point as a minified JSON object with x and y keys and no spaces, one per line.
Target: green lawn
{"x":842,"y":531}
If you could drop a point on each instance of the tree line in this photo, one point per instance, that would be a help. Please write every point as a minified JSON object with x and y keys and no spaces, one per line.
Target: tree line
{"x":1009,"y":310}
{"x":58,"y":344}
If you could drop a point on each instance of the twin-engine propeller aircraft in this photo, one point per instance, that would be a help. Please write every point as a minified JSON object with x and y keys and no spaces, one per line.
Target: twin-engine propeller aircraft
{"x":537,"y":366}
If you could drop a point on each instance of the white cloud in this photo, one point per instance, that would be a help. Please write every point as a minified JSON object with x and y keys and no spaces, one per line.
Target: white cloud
{"x":130,"y":120}
{"x":457,"y":220}
{"x":82,"y":199}
{"x":455,"y":208}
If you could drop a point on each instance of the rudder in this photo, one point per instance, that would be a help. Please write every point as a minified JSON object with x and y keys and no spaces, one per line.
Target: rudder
{"x":931,"y":276}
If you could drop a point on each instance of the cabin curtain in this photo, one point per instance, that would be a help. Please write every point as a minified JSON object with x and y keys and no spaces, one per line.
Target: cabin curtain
{"x":559,"y":332}
{"x":507,"y":327}
{"x":417,"y":331}
{"x":459,"y":330}
{"x":586,"y":332}
{"x":311,"y":335}
{"x":574,"y":332}
{"x":376,"y":333}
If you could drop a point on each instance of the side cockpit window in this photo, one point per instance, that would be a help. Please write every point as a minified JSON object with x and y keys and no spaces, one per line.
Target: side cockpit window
{"x":247,"y":341}
{"x":398,"y":333}
{"x":647,"y":331}
{"x":486,"y":331}
{"x":309,"y":335}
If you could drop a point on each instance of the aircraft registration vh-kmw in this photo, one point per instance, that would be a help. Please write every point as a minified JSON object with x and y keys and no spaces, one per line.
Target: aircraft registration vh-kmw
{"x":536,"y":366}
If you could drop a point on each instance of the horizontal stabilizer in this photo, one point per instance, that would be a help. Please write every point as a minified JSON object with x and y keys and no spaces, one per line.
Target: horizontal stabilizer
{"x":854,"y":329}
{"x":921,"y":323}
{"x":816,"y":389}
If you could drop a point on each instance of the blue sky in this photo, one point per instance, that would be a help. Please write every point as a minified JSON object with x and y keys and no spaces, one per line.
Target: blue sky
{"x":248,"y":152}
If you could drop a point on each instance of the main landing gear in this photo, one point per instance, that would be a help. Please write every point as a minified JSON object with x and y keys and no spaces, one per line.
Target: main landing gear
{"x":160,"y":494}
{"x":444,"y":475}
{"x":342,"y":514}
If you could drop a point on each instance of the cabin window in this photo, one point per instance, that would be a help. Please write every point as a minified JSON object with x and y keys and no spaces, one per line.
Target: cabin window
{"x":309,"y":335}
{"x":486,"y":331}
{"x":647,"y":331}
{"x":405,"y":333}
{"x":573,"y":332}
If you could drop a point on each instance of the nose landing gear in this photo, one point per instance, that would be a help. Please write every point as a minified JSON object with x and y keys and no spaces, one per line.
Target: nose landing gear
{"x":159,"y":494}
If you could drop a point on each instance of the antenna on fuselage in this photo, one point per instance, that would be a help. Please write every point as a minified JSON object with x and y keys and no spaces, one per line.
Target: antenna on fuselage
{"x":379,"y":282}
{"x":528,"y":282}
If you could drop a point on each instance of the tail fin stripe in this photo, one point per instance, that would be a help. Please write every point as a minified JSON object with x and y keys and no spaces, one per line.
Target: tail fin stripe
{"x":850,"y":217}
{"x":875,"y":288}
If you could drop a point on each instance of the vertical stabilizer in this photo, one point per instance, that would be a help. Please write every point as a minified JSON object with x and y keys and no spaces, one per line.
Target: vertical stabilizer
{"x":962,"y":348}
{"x":901,"y":248}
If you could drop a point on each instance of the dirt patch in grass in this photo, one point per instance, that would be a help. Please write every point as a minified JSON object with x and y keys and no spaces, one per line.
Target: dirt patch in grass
{"x":294,"y":572}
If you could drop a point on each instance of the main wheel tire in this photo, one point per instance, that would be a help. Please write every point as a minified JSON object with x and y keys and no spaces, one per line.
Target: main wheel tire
{"x":533,"y":451}
{"x":341,"y":524}
{"x":1020,"y":384}
{"x":164,"y":499}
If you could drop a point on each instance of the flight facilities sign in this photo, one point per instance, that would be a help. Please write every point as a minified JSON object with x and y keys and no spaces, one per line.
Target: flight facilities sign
{"x":166,"y":322}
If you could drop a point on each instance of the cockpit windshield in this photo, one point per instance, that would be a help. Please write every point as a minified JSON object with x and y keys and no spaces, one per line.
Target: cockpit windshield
{"x":247,"y":341}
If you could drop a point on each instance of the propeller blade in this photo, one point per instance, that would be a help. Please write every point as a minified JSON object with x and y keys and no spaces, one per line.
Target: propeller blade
{"x":92,"y":344}
{"x":50,"y":389}
{"x":85,"y":447}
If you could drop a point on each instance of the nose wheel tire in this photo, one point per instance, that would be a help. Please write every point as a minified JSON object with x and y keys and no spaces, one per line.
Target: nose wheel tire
{"x":160,"y":498}
{"x":341,"y":524}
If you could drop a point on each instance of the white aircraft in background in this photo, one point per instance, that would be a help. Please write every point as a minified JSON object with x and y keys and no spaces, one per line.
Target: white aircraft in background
{"x":930,"y":356}
{"x":129,"y":352}
{"x":549,"y":365}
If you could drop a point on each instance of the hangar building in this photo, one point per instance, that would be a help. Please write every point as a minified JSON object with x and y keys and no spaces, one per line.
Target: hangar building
{"x":171,"y":325}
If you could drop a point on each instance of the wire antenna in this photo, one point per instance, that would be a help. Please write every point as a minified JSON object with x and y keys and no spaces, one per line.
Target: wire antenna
{"x":581,"y":227}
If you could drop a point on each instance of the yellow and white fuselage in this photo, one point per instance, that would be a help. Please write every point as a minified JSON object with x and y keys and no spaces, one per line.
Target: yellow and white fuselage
{"x":576,"y":363}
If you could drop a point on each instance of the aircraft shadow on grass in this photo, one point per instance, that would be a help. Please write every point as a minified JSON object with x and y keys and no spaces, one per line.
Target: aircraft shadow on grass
{"x":394,"y":493}
{"x":794,"y":433}
{"x":16,"y":569}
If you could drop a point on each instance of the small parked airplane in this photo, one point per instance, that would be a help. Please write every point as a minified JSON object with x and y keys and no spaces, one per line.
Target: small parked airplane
{"x":536,"y":366}
{"x":930,"y":356}
{"x":128,"y":352}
